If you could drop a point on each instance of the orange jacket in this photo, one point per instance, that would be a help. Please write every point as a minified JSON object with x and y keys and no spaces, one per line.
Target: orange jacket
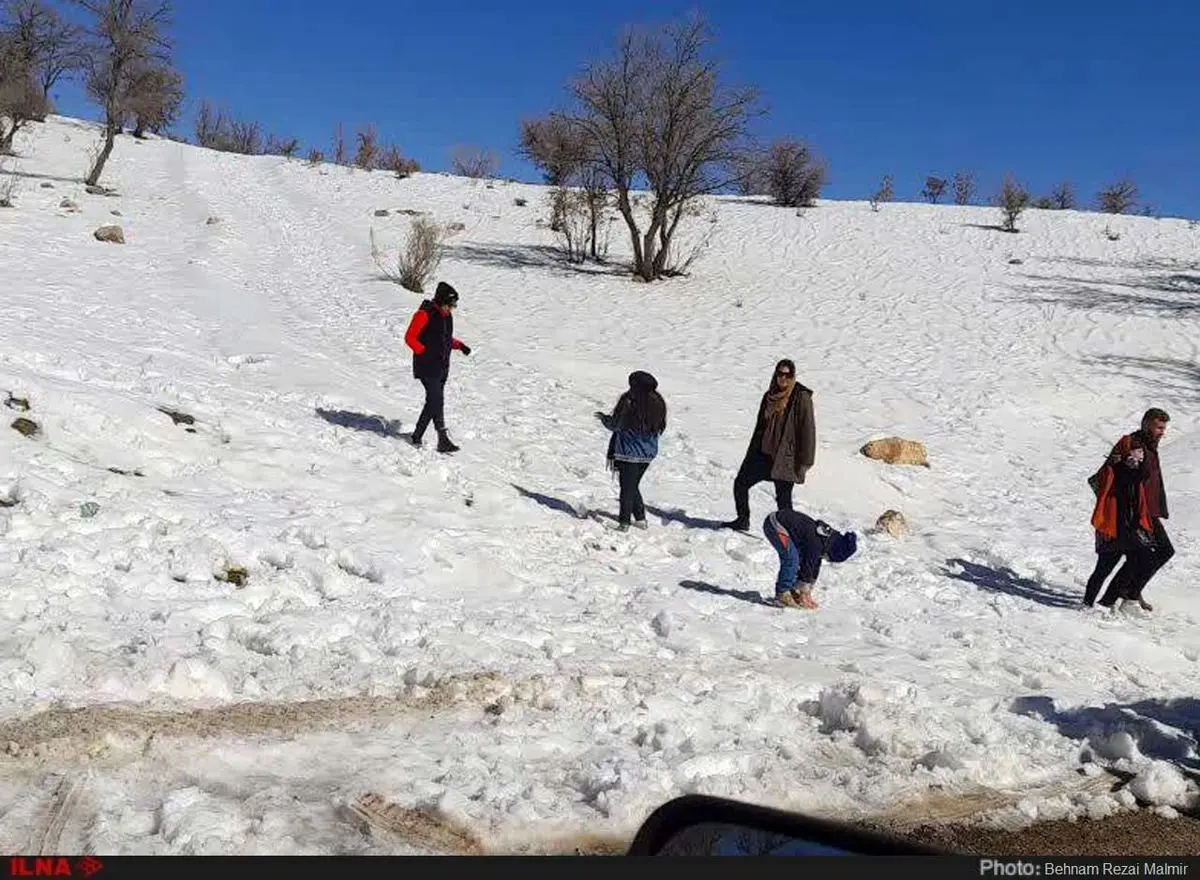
{"x":1105,"y":515}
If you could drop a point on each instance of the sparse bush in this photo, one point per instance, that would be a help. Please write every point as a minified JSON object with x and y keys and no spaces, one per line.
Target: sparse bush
{"x":1043,"y":203}
{"x":418,"y":258}
{"x":218,"y":130}
{"x":885,"y":193}
{"x":393,"y":160}
{"x":286,"y":147}
{"x":339,"y":146}
{"x":791,"y":175}
{"x":1118,"y":198}
{"x":1013,"y":199}
{"x":315,"y":157}
{"x":934,"y":187}
{"x":1063,"y":196}
{"x":569,"y":221}
{"x":964,"y":187}
{"x":474,"y":162}
{"x":368,"y":148}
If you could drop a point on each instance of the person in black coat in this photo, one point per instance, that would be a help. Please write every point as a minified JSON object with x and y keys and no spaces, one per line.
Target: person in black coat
{"x":430,"y":335}
{"x":782,"y":446}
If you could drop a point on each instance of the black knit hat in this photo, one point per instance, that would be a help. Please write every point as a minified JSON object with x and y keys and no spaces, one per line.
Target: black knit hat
{"x":445,"y":295}
{"x":639,"y":380}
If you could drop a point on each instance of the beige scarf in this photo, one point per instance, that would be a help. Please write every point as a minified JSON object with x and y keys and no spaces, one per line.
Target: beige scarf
{"x":774,"y":408}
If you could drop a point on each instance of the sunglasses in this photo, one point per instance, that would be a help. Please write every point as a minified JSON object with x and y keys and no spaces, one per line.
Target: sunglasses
{"x":784,"y":373}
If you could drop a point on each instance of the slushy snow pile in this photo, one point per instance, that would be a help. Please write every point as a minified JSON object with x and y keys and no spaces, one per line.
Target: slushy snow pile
{"x":463,"y":637}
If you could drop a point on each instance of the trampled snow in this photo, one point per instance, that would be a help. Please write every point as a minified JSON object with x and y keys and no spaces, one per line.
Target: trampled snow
{"x":463,"y":639}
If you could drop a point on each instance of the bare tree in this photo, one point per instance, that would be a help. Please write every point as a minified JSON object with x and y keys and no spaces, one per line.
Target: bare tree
{"x":154,"y":98}
{"x":49,"y":46}
{"x":210,"y":123}
{"x":468,"y":161}
{"x":419,"y":257}
{"x":1120,"y":197}
{"x":368,"y":148}
{"x":315,"y":157}
{"x":555,"y":147}
{"x":788,"y":172}
{"x":123,"y":36}
{"x":20,"y":100}
{"x":1013,"y":199}
{"x":1063,"y":196}
{"x":245,"y":137}
{"x":658,"y":110}
{"x":559,"y":149}
{"x":964,"y":187}
{"x":339,"y":146}
{"x":934,"y":187}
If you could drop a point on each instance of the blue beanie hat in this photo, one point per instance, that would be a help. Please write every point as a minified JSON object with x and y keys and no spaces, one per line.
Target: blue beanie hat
{"x":842,"y":546}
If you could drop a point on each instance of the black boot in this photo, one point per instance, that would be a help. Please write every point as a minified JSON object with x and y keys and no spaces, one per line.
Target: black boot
{"x":738,"y":525}
{"x":445,"y":444}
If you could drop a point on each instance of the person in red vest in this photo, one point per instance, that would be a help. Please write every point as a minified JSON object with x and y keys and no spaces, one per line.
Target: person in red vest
{"x":1131,"y":503}
{"x":431,"y":337}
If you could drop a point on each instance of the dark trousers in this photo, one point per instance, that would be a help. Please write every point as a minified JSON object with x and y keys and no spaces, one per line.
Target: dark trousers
{"x":630,"y":474}
{"x":754,"y":470}
{"x":1105,"y":563}
{"x":434,"y":409}
{"x":1141,"y":564}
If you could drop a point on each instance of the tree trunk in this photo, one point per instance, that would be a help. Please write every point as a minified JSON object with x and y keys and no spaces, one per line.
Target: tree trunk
{"x":635,"y":234}
{"x":595,"y":223}
{"x":110,"y":138}
{"x":7,"y":134}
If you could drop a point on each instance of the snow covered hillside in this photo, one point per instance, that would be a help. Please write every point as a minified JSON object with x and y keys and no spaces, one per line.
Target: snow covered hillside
{"x":457,"y":651}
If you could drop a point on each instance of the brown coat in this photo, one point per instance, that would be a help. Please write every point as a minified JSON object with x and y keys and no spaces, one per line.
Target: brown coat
{"x":798,"y":445}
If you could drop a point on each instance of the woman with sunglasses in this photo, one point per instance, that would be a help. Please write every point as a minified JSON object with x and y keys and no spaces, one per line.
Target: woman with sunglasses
{"x":782,"y":447}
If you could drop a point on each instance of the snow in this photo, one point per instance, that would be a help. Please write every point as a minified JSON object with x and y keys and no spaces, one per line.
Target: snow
{"x":463,"y":637}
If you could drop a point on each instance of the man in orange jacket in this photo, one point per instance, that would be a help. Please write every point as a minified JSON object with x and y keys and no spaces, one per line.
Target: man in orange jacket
{"x":1131,"y":503}
{"x":430,"y":335}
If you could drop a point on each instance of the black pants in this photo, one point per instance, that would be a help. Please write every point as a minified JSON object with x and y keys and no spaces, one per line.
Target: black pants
{"x":1141,"y":564}
{"x":630,"y":474}
{"x":434,"y":409}
{"x":754,"y":470}
{"x":1105,"y":563}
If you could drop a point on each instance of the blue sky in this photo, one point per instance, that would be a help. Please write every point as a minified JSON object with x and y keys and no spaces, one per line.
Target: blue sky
{"x":1048,"y":89}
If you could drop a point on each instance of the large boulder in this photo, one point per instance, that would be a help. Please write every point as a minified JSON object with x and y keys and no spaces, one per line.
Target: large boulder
{"x":110,"y":234}
{"x":896,"y":450}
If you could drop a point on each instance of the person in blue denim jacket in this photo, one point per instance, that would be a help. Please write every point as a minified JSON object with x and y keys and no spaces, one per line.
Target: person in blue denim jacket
{"x":637,"y":420}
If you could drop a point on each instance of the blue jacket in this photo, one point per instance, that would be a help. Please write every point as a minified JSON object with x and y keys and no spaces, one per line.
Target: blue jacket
{"x":627,"y":444}
{"x":634,"y":446}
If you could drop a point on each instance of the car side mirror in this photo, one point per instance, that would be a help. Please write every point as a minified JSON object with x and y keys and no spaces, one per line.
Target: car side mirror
{"x":697,"y":825}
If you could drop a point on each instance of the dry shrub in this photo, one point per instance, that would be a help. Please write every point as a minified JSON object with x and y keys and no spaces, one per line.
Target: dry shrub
{"x":475,"y":162}
{"x":368,"y":148}
{"x":1013,"y":199}
{"x":417,"y":259}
